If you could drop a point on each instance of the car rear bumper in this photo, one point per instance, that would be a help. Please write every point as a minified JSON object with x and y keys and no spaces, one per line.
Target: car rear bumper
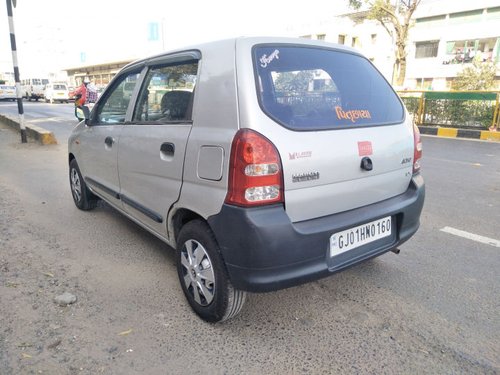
{"x":264,"y":251}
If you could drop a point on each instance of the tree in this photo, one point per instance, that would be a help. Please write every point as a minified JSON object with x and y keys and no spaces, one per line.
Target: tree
{"x":293,"y":81}
{"x":478,"y":76}
{"x":395,"y":16}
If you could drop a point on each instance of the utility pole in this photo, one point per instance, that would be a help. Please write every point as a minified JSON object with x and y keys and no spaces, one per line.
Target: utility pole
{"x":16,"y":70}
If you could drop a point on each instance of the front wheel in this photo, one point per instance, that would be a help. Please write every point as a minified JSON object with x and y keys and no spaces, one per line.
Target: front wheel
{"x":203,"y":276}
{"x":82,"y":196}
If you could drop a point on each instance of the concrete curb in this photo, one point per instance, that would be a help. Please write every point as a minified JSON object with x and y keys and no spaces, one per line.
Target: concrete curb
{"x":484,"y":135}
{"x":34,"y":132}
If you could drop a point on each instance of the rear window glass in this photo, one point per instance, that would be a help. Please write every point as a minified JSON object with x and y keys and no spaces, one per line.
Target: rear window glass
{"x":59,"y":87}
{"x":307,"y":88}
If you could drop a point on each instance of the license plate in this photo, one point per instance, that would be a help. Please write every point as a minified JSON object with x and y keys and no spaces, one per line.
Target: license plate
{"x":352,"y":238}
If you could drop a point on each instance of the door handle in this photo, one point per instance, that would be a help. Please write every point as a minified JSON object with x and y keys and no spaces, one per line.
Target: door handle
{"x":167,"y":149}
{"x":109,"y":141}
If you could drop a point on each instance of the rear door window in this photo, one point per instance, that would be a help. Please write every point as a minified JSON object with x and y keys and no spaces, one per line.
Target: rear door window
{"x":309,"y":88}
{"x":167,"y":95}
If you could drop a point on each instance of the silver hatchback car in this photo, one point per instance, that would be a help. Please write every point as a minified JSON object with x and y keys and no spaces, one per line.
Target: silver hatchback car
{"x":265,"y":162}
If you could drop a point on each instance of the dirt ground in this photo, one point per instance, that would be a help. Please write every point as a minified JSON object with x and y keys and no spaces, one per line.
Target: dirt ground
{"x":43,"y":256}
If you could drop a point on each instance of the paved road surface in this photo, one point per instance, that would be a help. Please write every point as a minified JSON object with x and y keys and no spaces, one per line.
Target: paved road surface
{"x":58,"y":118}
{"x":433,"y":309}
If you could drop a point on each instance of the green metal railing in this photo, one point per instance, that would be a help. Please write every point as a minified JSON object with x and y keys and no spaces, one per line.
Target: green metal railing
{"x":458,"y":109}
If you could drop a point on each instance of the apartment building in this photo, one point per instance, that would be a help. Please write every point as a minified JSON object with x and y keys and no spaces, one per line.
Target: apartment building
{"x":445,"y":37}
{"x":356,"y":31}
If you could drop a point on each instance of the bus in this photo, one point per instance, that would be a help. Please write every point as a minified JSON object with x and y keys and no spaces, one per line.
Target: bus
{"x":33,"y":88}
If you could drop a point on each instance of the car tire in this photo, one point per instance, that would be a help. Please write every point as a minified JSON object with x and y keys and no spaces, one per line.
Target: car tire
{"x":203,"y":276}
{"x":82,"y":196}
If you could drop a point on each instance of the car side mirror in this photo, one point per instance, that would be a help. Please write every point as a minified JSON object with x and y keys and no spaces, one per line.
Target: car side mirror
{"x":83,"y":113}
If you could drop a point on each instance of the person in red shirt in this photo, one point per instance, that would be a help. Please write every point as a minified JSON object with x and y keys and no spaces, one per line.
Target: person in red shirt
{"x":80,"y":95}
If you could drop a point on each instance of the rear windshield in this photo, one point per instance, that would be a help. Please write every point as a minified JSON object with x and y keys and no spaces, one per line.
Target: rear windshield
{"x":59,"y":87}
{"x":308,"y":88}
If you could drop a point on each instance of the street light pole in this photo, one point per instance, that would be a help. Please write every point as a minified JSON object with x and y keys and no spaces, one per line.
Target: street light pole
{"x":16,"y":70}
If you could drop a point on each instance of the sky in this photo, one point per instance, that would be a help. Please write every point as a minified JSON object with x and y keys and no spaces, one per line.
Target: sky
{"x":52,"y":35}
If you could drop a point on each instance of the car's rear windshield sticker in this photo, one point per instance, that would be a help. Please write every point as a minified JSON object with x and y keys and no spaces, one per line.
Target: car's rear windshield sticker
{"x":266,"y":60}
{"x":353,"y":114}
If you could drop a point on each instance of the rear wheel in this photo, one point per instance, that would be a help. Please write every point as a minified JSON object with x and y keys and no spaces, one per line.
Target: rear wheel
{"x":82,"y":196}
{"x":203,"y":276}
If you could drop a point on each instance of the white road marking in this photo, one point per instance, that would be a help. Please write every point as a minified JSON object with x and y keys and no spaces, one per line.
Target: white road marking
{"x":471,"y":236}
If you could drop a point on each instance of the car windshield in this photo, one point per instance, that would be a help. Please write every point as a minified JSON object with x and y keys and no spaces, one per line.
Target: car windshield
{"x":308,"y":88}
{"x":59,"y":87}
{"x":45,"y":81}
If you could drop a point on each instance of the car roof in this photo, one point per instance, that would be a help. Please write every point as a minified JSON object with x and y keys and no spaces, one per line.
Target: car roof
{"x":227,"y":44}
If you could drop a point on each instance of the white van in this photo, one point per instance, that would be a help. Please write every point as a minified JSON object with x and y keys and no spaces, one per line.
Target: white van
{"x":56,"y":92}
{"x":33,"y":88}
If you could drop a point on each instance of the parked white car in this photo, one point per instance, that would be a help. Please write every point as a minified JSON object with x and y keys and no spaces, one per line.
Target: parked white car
{"x":265,"y":162}
{"x":7,"y":92}
{"x":56,"y":92}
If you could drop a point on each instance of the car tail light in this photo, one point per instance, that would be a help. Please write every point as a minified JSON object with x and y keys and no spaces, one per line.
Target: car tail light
{"x":255,"y":173}
{"x":417,"y":149}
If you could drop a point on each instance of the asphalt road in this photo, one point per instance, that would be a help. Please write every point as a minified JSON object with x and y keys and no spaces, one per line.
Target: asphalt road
{"x":59,"y":118}
{"x":432,"y":309}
